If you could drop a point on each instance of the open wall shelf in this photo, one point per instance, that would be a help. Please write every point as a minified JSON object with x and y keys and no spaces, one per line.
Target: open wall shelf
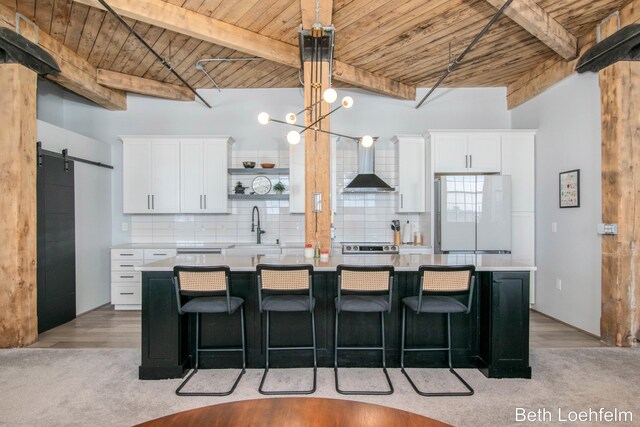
{"x":258,"y":171}
{"x":258,"y":196}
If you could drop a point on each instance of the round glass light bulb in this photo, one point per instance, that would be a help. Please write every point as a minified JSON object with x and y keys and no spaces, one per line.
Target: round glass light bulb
{"x":347,"y":102}
{"x":263,"y":118}
{"x":366,"y":141}
{"x":293,"y":137}
{"x":291,"y":118}
{"x":330,"y":95}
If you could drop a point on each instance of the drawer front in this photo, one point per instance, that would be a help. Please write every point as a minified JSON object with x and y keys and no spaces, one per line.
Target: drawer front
{"x":125,"y":294}
{"x":127,"y":254}
{"x":126,"y":276}
{"x":151,"y":255}
{"x":124,"y":265}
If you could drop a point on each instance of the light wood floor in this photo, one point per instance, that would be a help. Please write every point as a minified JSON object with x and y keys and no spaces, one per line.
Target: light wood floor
{"x":106,"y":328}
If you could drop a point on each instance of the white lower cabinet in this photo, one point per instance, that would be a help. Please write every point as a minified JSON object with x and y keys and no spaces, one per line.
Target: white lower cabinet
{"x":126,"y":282}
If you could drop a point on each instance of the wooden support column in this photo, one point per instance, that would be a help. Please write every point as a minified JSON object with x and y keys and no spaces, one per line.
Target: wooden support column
{"x":620,"y":93}
{"x":18,"y":315}
{"x":317,"y":153}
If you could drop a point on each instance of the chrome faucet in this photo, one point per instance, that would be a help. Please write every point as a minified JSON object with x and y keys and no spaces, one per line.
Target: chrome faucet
{"x":259,"y":231}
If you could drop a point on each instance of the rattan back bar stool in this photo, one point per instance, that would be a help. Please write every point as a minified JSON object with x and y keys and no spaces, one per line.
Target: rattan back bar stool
{"x":366,"y":290}
{"x":286,"y":288}
{"x":207,"y":290}
{"x":437,"y":287}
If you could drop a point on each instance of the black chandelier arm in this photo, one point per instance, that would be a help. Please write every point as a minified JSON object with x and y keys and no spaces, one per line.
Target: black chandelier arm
{"x":323,"y":117}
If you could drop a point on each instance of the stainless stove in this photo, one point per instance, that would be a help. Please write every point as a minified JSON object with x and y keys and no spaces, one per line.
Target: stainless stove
{"x":369,"y":248}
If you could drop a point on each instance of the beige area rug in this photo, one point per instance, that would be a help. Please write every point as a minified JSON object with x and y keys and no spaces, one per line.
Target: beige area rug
{"x":94,"y":387}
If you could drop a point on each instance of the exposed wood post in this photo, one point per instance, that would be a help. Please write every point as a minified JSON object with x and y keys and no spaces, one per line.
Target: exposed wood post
{"x":317,"y":145}
{"x":18,"y":233}
{"x":317,"y":153}
{"x":620,"y":92}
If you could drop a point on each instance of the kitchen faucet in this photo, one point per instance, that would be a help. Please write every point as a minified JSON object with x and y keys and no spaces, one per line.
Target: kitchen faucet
{"x":259,"y":231}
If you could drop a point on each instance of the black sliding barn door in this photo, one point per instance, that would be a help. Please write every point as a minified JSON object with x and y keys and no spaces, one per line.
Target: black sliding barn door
{"x":56,"y":244}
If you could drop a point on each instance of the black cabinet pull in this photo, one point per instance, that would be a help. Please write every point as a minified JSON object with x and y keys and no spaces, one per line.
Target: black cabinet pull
{"x":126,"y":265}
{"x":126,"y":254}
{"x":159,"y":254}
{"x":126,"y":277}
{"x":126,"y":293}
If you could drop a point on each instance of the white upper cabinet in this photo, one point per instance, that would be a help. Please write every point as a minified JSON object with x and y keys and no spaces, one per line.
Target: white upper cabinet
{"x":412,"y":161}
{"x":466,"y":152}
{"x":151,"y":180}
{"x":296,"y":177}
{"x":518,"y":160}
{"x":484,"y":153}
{"x":204,"y":175}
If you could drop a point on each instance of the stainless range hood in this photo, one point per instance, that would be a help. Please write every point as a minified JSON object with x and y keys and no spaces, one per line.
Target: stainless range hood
{"x":367,"y":181}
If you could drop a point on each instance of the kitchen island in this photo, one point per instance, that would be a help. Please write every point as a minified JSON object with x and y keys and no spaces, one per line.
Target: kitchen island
{"x":493,"y":338}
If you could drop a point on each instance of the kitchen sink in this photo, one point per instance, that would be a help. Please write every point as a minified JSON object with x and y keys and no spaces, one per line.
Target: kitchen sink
{"x":254,"y":249}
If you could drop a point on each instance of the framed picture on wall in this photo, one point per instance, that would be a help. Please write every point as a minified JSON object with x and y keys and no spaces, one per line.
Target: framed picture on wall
{"x":570,"y":189}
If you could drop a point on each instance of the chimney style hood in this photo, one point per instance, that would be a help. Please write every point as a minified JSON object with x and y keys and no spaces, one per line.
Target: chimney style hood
{"x":367,"y":181}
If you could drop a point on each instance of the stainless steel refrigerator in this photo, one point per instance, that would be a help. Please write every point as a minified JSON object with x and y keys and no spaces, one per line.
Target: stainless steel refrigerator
{"x":473,"y":214}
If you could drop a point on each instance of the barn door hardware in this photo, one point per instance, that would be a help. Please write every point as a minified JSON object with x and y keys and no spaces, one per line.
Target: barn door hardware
{"x":67,"y":158}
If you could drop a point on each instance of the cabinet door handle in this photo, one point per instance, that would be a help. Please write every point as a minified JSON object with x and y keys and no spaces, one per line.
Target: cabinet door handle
{"x":126,"y":293}
{"x":153,"y":201}
{"x":201,"y":201}
{"x":466,"y":161}
{"x":126,"y":254}
{"x":402,"y":200}
{"x":205,"y":201}
{"x":126,"y":277}
{"x":126,"y":265}
{"x":159,"y":254}
{"x":470,"y":161}
{"x":148,"y":201}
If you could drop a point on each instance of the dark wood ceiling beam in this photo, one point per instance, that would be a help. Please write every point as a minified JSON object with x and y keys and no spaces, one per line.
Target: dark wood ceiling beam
{"x":541,"y":25}
{"x":174,"y":18}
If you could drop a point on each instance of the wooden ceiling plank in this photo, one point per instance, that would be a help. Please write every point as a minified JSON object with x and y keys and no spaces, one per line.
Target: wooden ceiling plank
{"x":77,"y":19}
{"x":418,"y":32}
{"x":208,"y":7}
{"x":347,"y":15}
{"x":120,"y":37}
{"x":44,"y":15}
{"x":108,"y":28}
{"x":144,"y":86}
{"x":26,"y":8}
{"x":308,"y":12}
{"x":256,"y":18}
{"x":190,"y":23}
{"x":173,"y":43}
{"x":136,"y":57}
{"x":170,"y":17}
{"x":76,"y":74}
{"x":241,"y":74}
{"x":233,"y":15}
{"x":285,"y":25}
{"x":90,"y":32}
{"x":187,"y":67}
{"x":129,"y":47}
{"x":537,"y":21}
{"x":60,"y":20}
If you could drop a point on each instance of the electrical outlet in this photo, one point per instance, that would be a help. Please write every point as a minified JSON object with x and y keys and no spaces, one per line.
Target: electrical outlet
{"x":125,"y":226}
{"x":554,"y":227}
{"x":559,"y":284}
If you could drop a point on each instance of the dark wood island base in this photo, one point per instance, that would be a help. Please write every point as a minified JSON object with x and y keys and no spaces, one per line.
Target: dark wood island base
{"x":494,"y":337}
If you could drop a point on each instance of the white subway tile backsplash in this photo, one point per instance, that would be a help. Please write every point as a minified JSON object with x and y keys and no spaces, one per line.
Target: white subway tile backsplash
{"x":359,"y":216}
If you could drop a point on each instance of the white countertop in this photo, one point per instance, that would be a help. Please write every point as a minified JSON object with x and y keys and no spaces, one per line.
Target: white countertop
{"x":227,"y":245}
{"x":400,"y":262}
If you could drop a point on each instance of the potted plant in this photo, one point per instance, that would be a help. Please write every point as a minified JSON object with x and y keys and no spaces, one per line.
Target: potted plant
{"x":279,"y":187}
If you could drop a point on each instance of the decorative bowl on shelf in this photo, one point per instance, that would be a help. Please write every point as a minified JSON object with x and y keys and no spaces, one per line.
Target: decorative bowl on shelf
{"x":249,"y":165}
{"x":267,"y":165}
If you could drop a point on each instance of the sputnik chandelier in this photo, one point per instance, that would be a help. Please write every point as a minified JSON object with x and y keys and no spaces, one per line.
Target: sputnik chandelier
{"x":316,"y":46}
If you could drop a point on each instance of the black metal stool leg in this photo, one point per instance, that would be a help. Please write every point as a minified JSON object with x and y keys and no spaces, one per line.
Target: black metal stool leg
{"x":179,"y":391}
{"x":448,"y":349}
{"x":261,"y":389}
{"x":384,"y":363}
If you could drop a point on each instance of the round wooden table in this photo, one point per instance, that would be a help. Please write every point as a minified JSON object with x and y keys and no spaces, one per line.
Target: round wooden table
{"x":295,"y":411}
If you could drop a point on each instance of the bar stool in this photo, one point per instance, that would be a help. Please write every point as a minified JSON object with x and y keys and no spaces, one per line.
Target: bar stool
{"x":286,"y":288}
{"x":437,"y":287}
{"x":208,"y":289}
{"x":366,"y":290}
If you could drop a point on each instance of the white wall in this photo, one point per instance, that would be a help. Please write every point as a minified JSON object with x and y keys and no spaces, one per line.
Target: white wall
{"x":235,"y":113}
{"x":92,"y":213}
{"x":567,"y":117}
